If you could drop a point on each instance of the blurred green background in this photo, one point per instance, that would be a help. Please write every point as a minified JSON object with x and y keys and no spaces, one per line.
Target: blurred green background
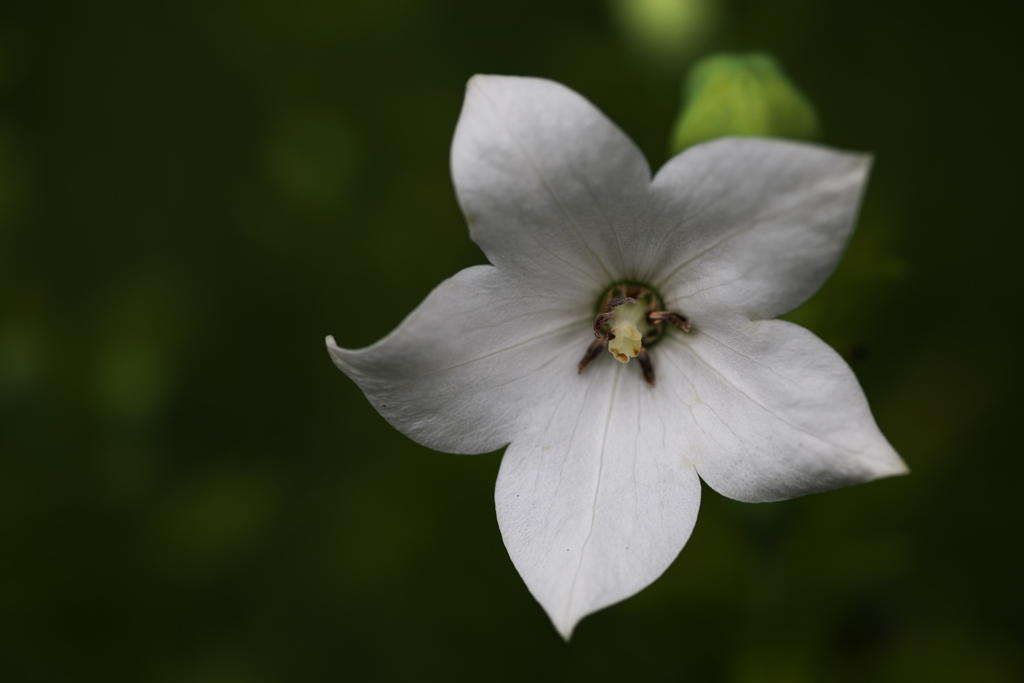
{"x":193,"y":194}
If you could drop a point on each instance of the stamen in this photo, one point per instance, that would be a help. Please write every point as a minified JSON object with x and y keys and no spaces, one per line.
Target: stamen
{"x":621,"y":300}
{"x":645,"y":364}
{"x":679,"y":321}
{"x":592,"y":352}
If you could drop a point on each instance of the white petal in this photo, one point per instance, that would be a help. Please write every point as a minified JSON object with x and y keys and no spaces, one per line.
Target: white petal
{"x":472,"y":361}
{"x":547,"y":183}
{"x":775,"y":412}
{"x":595,"y":501}
{"x":750,"y":226}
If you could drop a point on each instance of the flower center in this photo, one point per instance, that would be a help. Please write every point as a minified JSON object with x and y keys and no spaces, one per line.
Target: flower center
{"x":630,"y":320}
{"x":627,"y":325}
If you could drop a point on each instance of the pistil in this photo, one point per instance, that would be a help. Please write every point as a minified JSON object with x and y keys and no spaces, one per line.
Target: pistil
{"x":629,"y":322}
{"x":625,"y":339}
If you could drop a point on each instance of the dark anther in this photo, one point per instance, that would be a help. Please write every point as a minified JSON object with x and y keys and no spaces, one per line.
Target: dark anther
{"x":595,"y":349}
{"x":621,"y":300}
{"x":601,"y":320}
{"x":679,"y":321}
{"x":645,"y":365}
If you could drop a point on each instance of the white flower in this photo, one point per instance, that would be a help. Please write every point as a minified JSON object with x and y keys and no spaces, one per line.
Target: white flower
{"x":598,"y":489}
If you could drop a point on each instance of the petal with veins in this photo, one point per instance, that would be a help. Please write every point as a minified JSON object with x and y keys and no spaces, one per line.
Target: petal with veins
{"x":475,"y":359}
{"x":595,"y":501}
{"x":750,"y":226}
{"x":547,"y":183}
{"x":776,"y":412}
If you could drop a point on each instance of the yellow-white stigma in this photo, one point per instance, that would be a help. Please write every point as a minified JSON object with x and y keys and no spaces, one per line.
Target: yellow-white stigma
{"x":626,"y":343}
{"x":626,"y":323}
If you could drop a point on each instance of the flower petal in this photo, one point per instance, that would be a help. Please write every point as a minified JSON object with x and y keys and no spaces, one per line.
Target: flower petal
{"x":595,"y":502}
{"x":547,"y":183}
{"x":471,"y":361}
{"x":776,"y":412}
{"x":749,"y":225}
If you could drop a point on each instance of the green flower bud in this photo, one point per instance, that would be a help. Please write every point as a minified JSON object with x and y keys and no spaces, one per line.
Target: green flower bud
{"x":741,"y":94}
